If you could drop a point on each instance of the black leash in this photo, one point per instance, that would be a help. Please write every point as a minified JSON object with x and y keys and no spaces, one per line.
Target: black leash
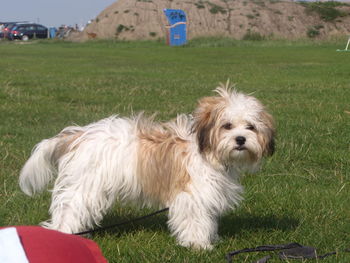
{"x":122,"y":223}
{"x":260,"y":249}
{"x":287,"y":251}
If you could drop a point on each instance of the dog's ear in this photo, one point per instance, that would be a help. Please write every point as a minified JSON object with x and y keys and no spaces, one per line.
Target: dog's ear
{"x":269,"y":134}
{"x":205,"y":117}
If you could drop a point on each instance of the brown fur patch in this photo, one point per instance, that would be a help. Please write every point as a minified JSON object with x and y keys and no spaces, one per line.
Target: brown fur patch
{"x":267,"y":139}
{"x":205,"y":117}
{"x":161,"y":164}
{"x":63,"y":146}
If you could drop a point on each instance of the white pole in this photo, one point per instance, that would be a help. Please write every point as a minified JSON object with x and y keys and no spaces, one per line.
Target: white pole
{"x":347,"y":45}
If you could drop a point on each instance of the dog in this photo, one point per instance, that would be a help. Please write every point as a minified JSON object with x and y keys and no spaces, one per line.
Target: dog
{"x":191,"y":165}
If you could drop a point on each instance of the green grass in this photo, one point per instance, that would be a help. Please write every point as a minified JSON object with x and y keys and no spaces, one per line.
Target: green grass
{"x":300,"y":195}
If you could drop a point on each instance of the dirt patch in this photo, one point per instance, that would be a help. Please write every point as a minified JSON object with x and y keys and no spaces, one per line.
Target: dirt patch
{"x":144,"y":19}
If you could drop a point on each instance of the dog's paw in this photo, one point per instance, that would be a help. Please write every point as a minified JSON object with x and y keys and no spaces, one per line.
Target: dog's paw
{"x":202,"y":246}
{"x":197,"y":245}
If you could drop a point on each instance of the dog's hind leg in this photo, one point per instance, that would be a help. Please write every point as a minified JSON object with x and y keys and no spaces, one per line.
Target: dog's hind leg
{"x":78,"y":206}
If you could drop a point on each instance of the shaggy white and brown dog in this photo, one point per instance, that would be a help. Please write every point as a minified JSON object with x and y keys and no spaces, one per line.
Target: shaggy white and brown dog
{"x":191,"y":165}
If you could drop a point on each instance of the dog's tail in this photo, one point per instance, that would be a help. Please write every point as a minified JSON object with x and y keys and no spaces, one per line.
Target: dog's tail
{"x":39,"y":170}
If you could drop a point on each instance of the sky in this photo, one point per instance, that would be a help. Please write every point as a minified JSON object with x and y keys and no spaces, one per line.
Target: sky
{"x":52,"y":12}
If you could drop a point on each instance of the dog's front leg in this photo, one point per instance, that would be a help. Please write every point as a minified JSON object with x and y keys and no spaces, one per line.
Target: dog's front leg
{"x":193,"y":224}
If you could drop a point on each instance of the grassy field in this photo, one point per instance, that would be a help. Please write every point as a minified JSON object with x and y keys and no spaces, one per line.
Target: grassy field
{"x":302,"y":193}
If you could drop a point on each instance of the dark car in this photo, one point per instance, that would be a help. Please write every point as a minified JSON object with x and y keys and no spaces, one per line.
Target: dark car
{"x":27,"y":31}
{"x":5,"y":27}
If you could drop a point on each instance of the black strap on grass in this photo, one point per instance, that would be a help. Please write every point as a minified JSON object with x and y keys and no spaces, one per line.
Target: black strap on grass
{"x":260,"y":249}
{"x":122,"y":223}
{"x":303,"y":252}
{"x":287,"y":251}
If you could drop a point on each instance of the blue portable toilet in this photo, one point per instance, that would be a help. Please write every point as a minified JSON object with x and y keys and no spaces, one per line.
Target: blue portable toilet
{"x":52,"y":32}
{"x":177,"y":28}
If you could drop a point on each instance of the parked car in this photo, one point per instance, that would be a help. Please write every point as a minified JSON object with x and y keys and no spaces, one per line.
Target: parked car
{"x":5,"y":27}
{"x":27,"y":31}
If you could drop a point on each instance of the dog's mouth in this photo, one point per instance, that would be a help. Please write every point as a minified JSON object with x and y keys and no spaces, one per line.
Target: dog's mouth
{"x":240,"y":148}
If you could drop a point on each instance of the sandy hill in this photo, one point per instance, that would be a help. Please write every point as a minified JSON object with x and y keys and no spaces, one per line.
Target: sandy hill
{"x":144,"y":19}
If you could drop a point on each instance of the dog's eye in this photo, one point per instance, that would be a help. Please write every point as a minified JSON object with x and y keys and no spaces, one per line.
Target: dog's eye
{"x":251,"y":127}
{"x":227,"y":126}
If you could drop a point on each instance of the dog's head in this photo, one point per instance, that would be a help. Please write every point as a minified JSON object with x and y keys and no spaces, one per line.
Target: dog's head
{"x":233,"y":129}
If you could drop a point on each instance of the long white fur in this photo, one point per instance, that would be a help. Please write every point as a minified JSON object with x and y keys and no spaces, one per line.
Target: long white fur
{"x":39,"y":171}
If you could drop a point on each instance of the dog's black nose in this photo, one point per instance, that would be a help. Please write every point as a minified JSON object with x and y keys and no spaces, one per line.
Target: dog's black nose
{"x":240,"y":140}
